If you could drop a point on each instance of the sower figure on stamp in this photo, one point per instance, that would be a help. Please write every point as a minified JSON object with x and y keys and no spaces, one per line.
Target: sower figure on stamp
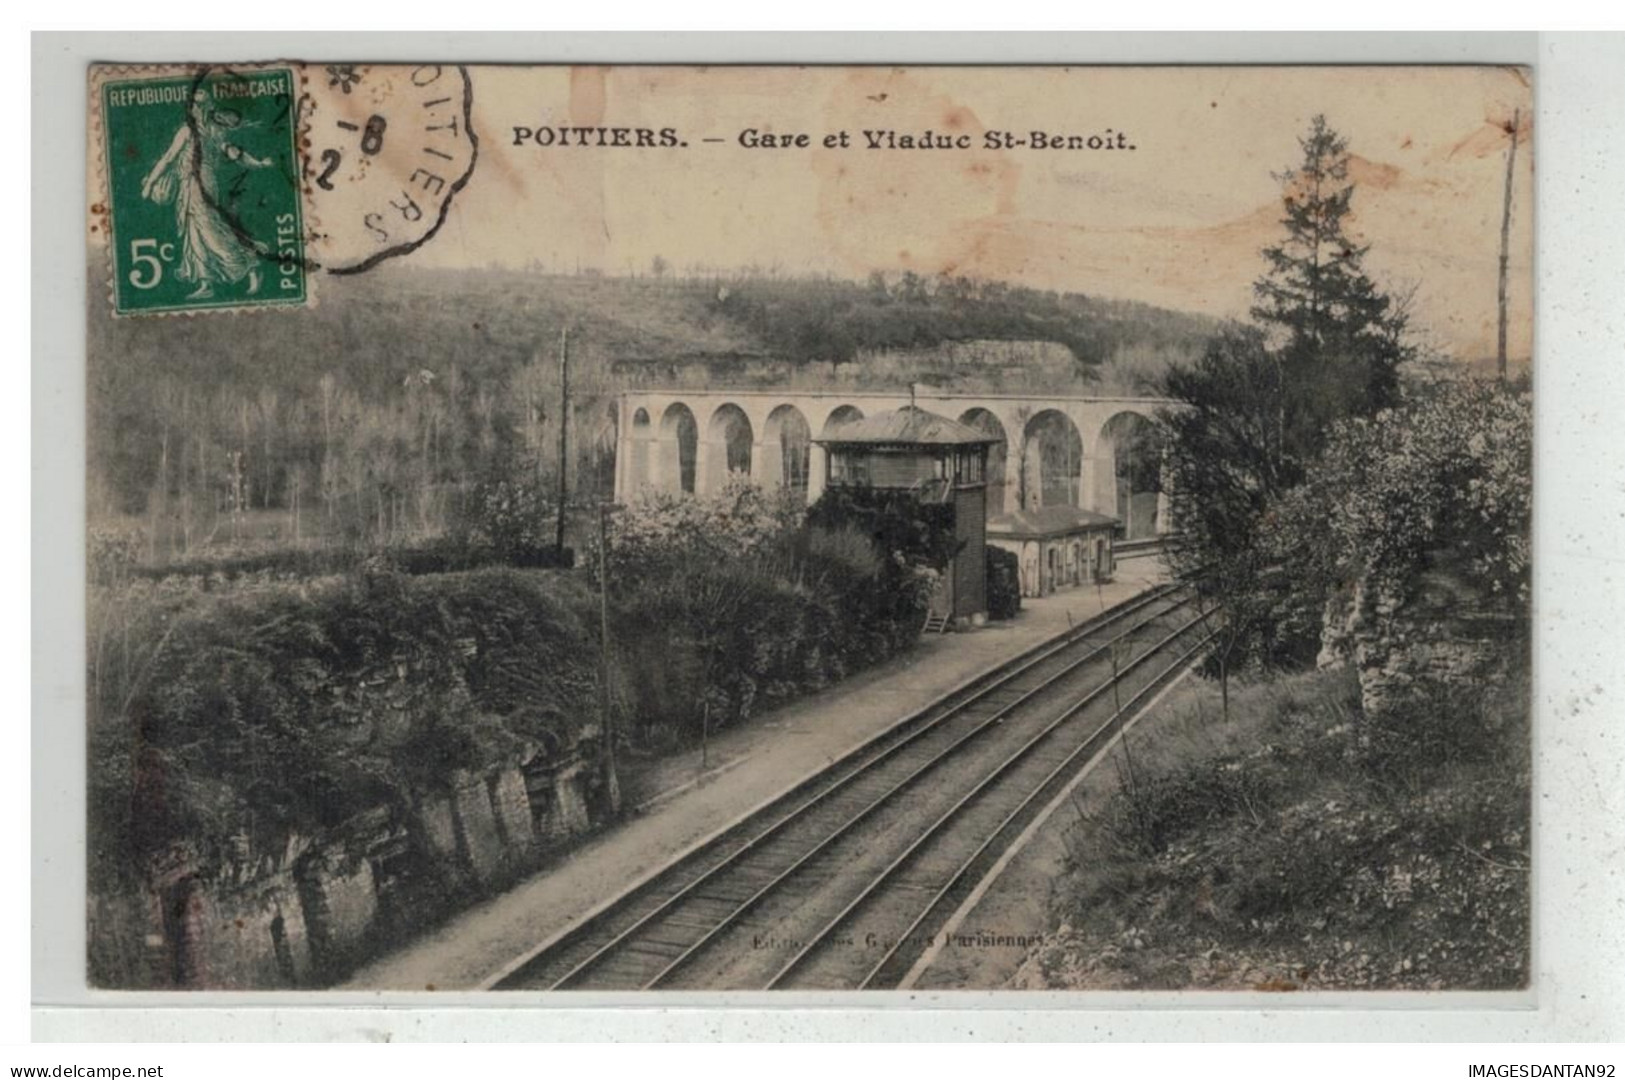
{"x":210,"y":250}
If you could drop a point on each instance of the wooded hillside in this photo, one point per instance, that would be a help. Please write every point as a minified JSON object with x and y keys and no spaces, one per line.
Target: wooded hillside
{"x":363,"y":418}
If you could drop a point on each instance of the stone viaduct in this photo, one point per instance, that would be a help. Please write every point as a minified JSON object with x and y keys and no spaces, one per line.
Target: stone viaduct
{"x":691,"y":440}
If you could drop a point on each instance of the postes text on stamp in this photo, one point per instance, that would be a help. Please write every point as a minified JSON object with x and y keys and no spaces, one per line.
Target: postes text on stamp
{"x":202,"y":175}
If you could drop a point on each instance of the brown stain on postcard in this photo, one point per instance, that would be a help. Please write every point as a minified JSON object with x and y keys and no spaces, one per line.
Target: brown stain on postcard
{"x":913,"y":187}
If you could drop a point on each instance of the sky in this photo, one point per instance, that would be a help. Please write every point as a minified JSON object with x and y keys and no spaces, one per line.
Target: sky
{"x":1178,"y":221}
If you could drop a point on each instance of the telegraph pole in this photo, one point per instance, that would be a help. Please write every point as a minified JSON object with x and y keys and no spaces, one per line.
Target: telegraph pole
{"x":564,"y":434}
{"x":1501,"y":283}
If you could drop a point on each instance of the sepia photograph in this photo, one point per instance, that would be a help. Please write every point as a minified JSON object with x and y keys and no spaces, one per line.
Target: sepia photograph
{"x":837,"y":528}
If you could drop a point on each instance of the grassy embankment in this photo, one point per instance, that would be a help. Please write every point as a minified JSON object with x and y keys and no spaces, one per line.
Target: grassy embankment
{"x":1301,"y":845}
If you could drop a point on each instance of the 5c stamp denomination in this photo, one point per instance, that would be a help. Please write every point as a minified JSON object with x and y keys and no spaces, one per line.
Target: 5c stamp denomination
{"x":203,"y":207}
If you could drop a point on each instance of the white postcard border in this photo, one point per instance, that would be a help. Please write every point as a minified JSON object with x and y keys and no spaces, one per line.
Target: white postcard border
{"x":1579,"y":937}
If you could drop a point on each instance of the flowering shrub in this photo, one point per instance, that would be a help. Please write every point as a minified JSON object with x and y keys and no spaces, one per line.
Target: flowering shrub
{"x":661,"y":529}
{"x":730,"y":602}
{"x":1449,"y":470}
{"x":510,"y":513}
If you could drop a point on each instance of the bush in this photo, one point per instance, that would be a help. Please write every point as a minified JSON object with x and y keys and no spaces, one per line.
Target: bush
{"x":1449,"y":471}
{"x":113,"y":554}
{"x":729,"y":603}
{"x":910,"y":533}
{"x":444,"y":556}
{"x":291,"y":708}
{"x":916,"y":542}
{"x":1333,"y":850}
{"x":846,"y":545}
{"x":723,"y":638}
{"x":1150,"y":812}
{"x":1003,"y":584}
{"x":661,"y":532}
{"x":509,"y":512}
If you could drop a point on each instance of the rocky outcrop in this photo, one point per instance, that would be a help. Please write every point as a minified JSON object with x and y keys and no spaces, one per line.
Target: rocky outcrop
{"x":309,"y":912}
{"x":1438,"y":625}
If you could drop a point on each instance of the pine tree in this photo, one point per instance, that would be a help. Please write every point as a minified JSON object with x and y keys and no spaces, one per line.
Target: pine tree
{"x":1339,"y":340}
{"x":1325,"y":345}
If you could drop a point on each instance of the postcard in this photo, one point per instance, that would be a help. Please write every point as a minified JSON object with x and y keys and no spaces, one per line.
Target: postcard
{"x":810,"y":528}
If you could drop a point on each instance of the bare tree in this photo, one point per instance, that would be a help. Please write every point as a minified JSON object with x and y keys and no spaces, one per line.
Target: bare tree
{"x":1023,"y":417}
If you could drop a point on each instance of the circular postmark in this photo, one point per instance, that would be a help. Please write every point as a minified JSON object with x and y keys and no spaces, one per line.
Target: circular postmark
{"x":381,"y":151}
{"x":386,"y":148}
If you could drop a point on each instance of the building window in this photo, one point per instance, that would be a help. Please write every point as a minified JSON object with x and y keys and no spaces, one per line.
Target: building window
{"x":846,"y":467}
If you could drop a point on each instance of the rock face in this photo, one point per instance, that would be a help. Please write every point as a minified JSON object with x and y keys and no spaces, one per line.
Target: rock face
{"x":338,"y":895}
{"x":1439,"y":625}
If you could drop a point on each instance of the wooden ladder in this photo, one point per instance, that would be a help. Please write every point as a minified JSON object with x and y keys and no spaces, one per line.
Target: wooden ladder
{"x":936,"y":623}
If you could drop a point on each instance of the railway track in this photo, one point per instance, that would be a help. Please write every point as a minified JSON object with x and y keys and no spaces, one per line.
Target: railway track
{"x":841,"y":882}
{"x":1124,"y":550}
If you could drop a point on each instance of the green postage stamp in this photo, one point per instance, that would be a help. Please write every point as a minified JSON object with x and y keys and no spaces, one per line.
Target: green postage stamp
{"x":202,"y":181}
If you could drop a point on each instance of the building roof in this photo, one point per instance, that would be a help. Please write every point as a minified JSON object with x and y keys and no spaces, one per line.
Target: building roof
{"x":908,"y":426}
{"x":1047,"y":521}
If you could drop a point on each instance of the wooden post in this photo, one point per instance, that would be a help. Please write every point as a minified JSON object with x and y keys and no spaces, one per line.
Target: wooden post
{"x":1117,"y":700}
{"x":1501,"y":281}
{"x":705,"y":735}
{"x":1128,"y":506}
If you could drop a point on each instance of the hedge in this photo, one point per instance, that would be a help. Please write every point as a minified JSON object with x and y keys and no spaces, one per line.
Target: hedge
{"x":274,"y":707}
{"x":440,"y":557}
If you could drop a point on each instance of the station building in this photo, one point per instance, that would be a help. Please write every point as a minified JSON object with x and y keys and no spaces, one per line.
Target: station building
{"x":1056,"y":546}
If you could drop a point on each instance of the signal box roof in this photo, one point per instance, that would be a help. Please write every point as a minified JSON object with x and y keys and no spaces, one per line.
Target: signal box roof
{"x":908,"y":426}
{"x":1046,"y":522}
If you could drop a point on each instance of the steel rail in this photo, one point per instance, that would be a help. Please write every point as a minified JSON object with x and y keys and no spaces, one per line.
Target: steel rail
{"x":1069,"y":763}
{"x":871,"y":753}
{"x":742,"y":908}
{"x":1015,"y":816}
{"x":800,"y":813}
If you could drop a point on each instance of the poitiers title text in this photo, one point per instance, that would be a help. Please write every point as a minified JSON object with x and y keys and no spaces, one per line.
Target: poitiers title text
{"x":550,"y":136}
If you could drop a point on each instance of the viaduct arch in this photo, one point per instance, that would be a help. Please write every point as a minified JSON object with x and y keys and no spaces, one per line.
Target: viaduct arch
{"x":1093,"y":452}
